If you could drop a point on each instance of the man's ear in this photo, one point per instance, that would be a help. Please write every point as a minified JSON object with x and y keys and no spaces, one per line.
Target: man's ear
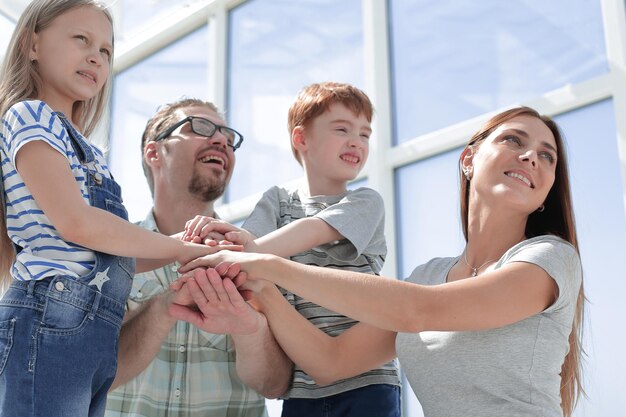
{"x":467,"y":158}
{"x":298,"y":139}
{"x":151,"y":154}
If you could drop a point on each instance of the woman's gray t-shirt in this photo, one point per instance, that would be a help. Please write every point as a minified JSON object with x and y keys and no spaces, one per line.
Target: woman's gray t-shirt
{"x":508,"y":371}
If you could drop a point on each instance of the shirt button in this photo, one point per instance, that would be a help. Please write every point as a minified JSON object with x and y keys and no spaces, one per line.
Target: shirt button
{"x":177,"y":392}
{"x":174,"y":268}
{"x":139,"y":294}
{"x":181,"y":349}
{"x":59,"y":286}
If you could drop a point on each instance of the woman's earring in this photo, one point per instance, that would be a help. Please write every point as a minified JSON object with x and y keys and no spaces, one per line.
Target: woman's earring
{"x":467,"y":173}
{"x":541,"y":209}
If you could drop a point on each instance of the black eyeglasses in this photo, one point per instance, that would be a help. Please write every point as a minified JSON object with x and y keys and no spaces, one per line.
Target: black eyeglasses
{"x":206,"y":128}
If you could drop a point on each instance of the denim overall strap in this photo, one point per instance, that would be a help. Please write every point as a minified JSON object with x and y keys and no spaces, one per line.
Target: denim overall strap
{"x":2,"y":199}
{"x":105,"y":194}
{"x":83,"y":151}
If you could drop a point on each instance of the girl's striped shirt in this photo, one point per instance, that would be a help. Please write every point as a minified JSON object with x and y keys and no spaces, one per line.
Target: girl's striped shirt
{"x":44,"y":252}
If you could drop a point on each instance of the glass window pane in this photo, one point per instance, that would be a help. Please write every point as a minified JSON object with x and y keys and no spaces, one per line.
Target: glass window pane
{"x":276,"y":47}
{"x":599,"y":205}
{"x":6,"y":31}
{"x":453,"y":60}
{"x":134,"y":16}
{"x":176,"y":71}
{"x":427,"y":209}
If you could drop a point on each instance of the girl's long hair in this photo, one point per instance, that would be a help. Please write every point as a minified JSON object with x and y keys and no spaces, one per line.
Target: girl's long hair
{"x":557,"y":219}
{"x":20,"y":80}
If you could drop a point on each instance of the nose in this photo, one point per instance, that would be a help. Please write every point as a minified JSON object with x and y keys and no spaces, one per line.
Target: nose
{"x":219,"y":139}
{"x":530,"y":156}
{"x":355,"y":141}
{"x":95,"y":58}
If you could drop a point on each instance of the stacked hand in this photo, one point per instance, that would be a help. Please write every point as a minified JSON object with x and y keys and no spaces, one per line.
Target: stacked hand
{"x":211,"y":231}
{"x":210,"y":300}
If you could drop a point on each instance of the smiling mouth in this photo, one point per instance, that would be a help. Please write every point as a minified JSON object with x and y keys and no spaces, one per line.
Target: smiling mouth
{"x":91,"y":77}
{"x":350,"y":158}
{"x":213,"y":159}
{"x":521,"y":178}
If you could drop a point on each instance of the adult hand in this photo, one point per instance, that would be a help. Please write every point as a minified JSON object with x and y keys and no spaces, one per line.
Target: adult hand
{"x":220,"y":307}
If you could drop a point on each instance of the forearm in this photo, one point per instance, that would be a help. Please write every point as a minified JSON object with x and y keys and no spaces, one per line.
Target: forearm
{"x":261,"y":363}
{"x":313,"y":350}
{"x":381,"y":302}
{"x":498,"y":298}
{"x":141,"y":337}
{"x":298,"y":236}
{"x":102,"y":231}
{"x":144,"y":265}
{"x":325,"y":358}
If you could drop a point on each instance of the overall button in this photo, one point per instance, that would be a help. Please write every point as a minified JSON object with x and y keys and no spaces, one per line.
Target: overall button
{"x":98,"y":178}
{"x":59,"y":286}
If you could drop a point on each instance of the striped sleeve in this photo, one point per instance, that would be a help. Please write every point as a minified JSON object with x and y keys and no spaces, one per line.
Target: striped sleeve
{"x":32,"y":120}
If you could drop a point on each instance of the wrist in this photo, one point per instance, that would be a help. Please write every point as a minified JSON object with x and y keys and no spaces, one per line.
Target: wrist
{"x":253,"y":338}
{"x":161,"y":307}
{"x":267,"y":296}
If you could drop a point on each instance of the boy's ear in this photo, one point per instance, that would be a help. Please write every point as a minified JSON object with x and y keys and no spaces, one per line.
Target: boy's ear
{"x":298,"y":140}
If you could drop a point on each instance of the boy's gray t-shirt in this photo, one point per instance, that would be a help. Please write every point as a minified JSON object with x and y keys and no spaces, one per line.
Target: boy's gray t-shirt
{"x":358,"y":216}
{"x":509,"y":371}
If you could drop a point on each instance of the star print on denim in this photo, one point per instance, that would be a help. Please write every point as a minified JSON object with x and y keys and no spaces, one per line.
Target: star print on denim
{"x":100,"y":279}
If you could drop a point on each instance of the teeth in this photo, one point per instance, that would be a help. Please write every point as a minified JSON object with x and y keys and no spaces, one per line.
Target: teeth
{"x":212,"y":158}
{"x":520,"y":177}
{"x":348,"y":158}
{"x":87,"y":75}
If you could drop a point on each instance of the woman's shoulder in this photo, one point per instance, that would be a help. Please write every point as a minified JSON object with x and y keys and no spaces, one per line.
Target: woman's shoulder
{"x":432,"y":272}
{"x":543,"y":244}
{"x":555,"y":255}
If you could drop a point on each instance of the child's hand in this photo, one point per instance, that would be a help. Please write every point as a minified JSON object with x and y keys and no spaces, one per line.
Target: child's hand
{"x":242,"y":237}
{"x":206,"y":229}
{"x":191,"y":251}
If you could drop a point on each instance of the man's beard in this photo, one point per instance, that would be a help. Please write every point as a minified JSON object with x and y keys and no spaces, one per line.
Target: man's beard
{"x":206,"y":189}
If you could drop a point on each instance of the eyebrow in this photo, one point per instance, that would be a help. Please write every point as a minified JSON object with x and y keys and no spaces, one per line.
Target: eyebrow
{"x":106,"y":44}
{"x":544,"y":143}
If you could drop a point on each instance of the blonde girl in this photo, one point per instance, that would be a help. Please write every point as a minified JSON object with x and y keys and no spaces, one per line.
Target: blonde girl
{"x":67,"y":250}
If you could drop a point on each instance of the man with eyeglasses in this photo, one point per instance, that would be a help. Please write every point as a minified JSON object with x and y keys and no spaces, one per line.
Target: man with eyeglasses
{"x":172,"y":368}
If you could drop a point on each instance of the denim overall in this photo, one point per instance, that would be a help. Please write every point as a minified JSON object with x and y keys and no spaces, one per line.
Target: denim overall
{"x":59,"y":335}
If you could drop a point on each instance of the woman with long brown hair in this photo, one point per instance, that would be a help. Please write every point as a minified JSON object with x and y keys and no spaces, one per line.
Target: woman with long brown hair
{"x":493,"y":331}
